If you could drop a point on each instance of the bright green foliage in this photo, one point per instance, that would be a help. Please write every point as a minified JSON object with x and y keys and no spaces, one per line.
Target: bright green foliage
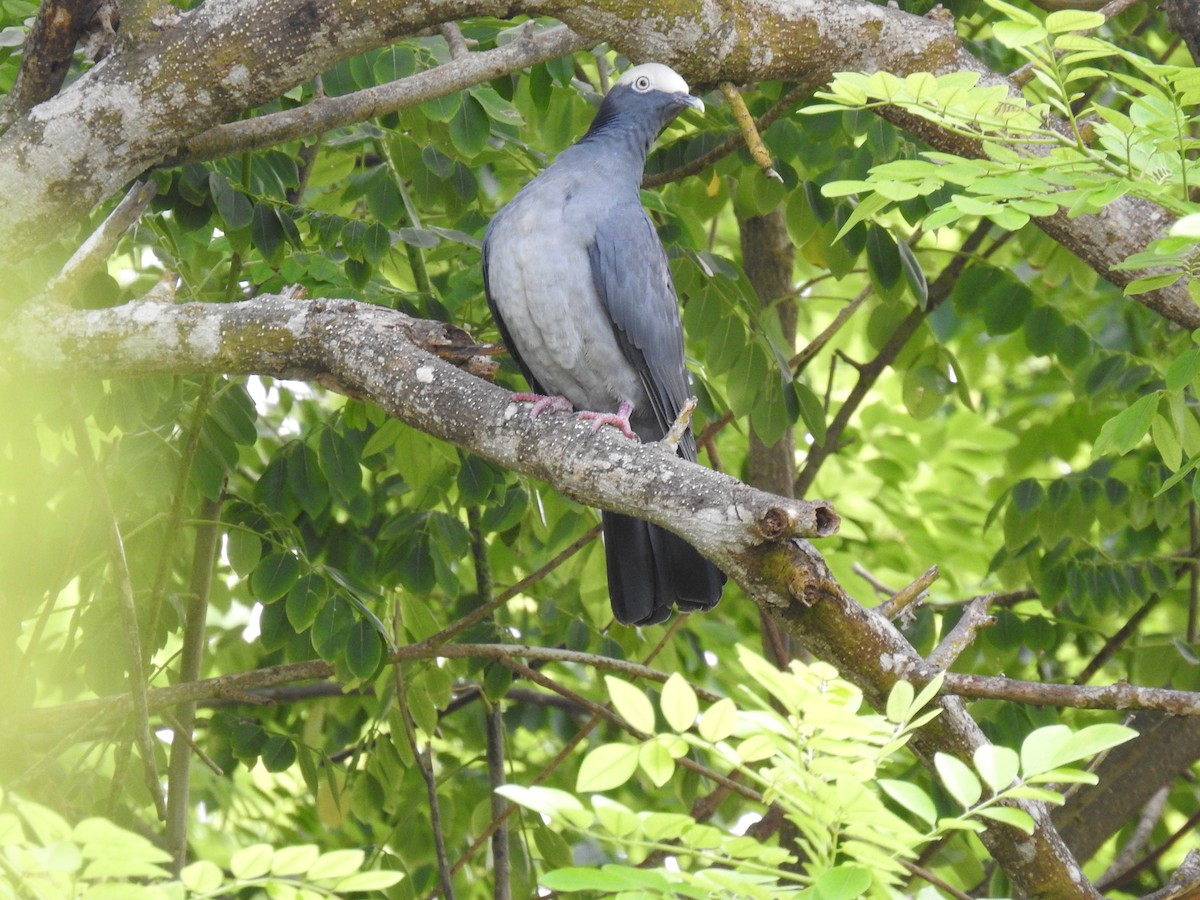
{"x":45,"y":857}
{"x":1035,"y":430}
{"x":801,"y":739}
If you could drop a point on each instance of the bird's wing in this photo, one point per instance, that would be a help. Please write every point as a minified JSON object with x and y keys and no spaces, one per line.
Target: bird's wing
{"x":633,"y":280}
{"x":505,"y":335}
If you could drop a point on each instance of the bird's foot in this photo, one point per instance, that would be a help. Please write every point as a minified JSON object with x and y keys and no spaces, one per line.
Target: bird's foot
{"x":619,"y":419}
{"x":556,"y":403}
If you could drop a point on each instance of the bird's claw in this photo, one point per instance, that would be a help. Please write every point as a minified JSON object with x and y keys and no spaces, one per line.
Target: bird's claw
{"x":555,"y":403}
{"x":619,"y":419}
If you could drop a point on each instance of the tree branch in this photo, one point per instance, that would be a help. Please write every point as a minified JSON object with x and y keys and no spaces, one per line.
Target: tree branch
{"x":367,"y":351}
{"x":325,"y":113}
{"x":224,"y":57}
{"x":1120,"y":695}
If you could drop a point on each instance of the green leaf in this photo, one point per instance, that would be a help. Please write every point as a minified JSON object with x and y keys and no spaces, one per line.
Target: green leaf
{"x":364,"y":649}
{"x":336,"y":864}
{"x":812,"y":412}
{"x":616,"y":818}
{"x":233,"y":207}
{"x":476,"y":478}
{"x":679,"y":705}
{"x":552,"y":847}
{"x":251,"y":862}
{"x":244,"y":550}
{"x":304,"y":601}
{"x":1162,"y":432}
{"x":1073,"y":20}
{"x":368,"y":881}
{"x":842,"y":882}
{"x":1017,"y":818}
{"x":1124,"y":431}
{"x":608,"y":879}
{"x":294,"y":860}
{"x":1151,"y":283}
{"x":631,"y":704}
{"x":910,"y":797}
{"x":560,"y":806}
{"x":339,"y":463}
{"x":1040,"y":749}
{"x":274,"y":576}
{"x":998,"y":766}
{"x":278,"y":754}
{"x":656,"y":760}
{"x":266,"y":232}
{"x":331,"y":628}
{"x":1091,"y":740}
{"x":958,"y":779}
{"x":899,"y":700}
{"x":883,"y":258}
{"x":608,"y":766}
{"x":470,"y":127}
{"x":914,"y":275}
{"x":1184,"y":370}
{"x":718,"y":721}
{"x":202,"y":877}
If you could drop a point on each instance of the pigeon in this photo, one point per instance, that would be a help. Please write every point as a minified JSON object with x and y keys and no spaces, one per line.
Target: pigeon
{"x":578,"y":284}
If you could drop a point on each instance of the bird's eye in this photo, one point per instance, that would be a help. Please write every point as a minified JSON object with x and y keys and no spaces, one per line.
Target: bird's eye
{"x":641,"y":84}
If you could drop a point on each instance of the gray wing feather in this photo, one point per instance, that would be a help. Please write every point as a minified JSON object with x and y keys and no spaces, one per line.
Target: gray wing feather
{"x":634,"y":282}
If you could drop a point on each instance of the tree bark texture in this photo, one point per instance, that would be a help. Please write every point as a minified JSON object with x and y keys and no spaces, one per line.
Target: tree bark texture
{"x":180,"y":74}
{"x":368,"y":351}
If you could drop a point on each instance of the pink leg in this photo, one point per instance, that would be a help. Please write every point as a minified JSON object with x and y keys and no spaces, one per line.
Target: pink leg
{"x":619,"y":419}
{"x":555,"y":403}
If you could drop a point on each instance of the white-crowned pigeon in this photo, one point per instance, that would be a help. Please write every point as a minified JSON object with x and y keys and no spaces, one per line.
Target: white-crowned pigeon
{"x":578,"y":283}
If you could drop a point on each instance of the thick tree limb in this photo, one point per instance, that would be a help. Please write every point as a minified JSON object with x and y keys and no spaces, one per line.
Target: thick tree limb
{"x":365,"y":350}
{"x":46,"y":56}
{"x":199,"y":69}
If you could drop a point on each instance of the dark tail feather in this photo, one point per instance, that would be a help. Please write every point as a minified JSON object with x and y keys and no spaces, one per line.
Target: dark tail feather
{"x":650,"y":570}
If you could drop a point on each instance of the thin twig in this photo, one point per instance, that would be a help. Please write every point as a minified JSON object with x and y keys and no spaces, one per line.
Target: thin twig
{"x":478,"y":615}
{"x":501,"y":874}
{"x":813,"y":347}
{"x":551,"y":767}
{"x":870,"y":373}
{"x":129,"y":623}
{"x":424,"y":760}
{"x":782,"y":107}
{"x":1120,"y":695}
{"x":325,"y":113}
{"x":1186,"y":830}
{"x":1114,"y":643}
{"x":974,"y":617}
{"x":605,"y":712}
{"x":680,"y":426}
{"x":906,"y":595}
{"x":95,"y":251}
{"x":925,"y":875}
{"x":191,"y":659}
{"x":745,"y":122}
{"x":1193,"y":628}
{"x":454,"y":40}
{"x":187,"y":456}
{"x":1133,"y":846}
{"x":173,"y":724}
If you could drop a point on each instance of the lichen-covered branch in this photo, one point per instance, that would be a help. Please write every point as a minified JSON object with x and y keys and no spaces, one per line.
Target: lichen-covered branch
{"x":367,"y":351}
{"x":193,"y":71}
{"x":373,"y":352}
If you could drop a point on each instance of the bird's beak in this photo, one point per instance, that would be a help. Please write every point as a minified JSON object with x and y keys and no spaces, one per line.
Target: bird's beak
{"x":694,"y":102}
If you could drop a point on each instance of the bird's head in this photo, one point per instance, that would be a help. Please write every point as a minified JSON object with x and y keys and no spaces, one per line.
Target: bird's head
{"x":650,"y":94}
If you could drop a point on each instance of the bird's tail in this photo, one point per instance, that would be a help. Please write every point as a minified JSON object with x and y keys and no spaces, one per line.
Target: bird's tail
{"x":651,"y":570}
